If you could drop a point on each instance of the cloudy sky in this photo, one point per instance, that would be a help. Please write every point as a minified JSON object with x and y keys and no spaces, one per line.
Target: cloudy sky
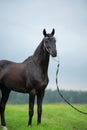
{"x":21,"y":26}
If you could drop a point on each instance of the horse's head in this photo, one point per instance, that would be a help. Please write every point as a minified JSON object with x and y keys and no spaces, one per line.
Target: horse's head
{"x":50,"y":43}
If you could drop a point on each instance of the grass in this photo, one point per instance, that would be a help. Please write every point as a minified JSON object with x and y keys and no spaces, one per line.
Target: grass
{"x":55,"y":117}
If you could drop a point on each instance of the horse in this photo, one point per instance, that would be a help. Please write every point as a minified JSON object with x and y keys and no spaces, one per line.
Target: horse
{"x":29,"y":76}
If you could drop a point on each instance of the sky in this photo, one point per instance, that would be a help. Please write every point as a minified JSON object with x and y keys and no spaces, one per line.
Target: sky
{"x":21,"y":26}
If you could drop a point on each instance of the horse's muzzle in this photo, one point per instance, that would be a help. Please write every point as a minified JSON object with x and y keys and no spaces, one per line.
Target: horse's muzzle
{"x":54,"y":54}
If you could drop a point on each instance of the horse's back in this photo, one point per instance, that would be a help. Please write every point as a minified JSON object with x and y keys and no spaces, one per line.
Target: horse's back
{"x":4,"y":63}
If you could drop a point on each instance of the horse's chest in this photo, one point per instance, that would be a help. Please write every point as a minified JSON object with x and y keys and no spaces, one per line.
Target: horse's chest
{"x":38,"y":81}
{"x":41,"y":84}
{"x":44,"y":82}
{"x":41,"y":81}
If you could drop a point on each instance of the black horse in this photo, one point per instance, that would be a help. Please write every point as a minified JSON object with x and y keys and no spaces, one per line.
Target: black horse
{"x":30,"y":76}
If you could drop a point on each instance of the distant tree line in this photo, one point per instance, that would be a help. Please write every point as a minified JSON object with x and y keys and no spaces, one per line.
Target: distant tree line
{"x":79,"y":97}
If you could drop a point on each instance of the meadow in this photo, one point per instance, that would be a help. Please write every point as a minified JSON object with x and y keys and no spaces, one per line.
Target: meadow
{"x":54,"y":117}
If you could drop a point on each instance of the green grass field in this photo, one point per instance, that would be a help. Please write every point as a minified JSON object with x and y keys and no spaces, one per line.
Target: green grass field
{"x":55,"y":117}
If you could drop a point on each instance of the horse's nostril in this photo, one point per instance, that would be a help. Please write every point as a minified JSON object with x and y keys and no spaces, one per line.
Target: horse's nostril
{"x":54,"y":53}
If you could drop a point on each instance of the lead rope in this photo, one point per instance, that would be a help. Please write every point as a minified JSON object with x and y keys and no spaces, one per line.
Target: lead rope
{"x":58,"y":90}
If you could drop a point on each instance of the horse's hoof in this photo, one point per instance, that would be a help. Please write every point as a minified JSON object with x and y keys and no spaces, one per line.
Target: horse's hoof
{"x":4,"y":128}
{"x":29,"y":125}
{"x":38,"y":123}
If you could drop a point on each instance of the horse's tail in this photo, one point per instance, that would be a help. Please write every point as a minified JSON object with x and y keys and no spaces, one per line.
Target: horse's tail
{"x":0,"y":100}
{"x":0,"y":87}
{"x":0,"y":93}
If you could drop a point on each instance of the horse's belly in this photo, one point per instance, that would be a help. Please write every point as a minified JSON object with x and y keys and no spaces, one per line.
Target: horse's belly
{"x":16,"y":83}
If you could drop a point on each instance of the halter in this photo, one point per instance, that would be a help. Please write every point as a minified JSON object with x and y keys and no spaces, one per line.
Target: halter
{"x":46,"y":48}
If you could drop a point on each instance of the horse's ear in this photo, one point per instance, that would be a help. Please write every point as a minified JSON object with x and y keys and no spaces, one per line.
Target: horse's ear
{"x":44,"y":32}
{"x":53,"y":32}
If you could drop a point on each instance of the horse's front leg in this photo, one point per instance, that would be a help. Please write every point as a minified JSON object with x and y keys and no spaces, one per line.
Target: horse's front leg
{"x":40,"y":96}
{"x":31,"y":105}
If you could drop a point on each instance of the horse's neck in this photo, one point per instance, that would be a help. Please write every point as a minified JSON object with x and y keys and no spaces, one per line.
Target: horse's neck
{"x":42,"y":57}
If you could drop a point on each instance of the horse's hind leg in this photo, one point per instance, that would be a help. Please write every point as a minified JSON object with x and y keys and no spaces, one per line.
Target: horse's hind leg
{"x":4,"y":98}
